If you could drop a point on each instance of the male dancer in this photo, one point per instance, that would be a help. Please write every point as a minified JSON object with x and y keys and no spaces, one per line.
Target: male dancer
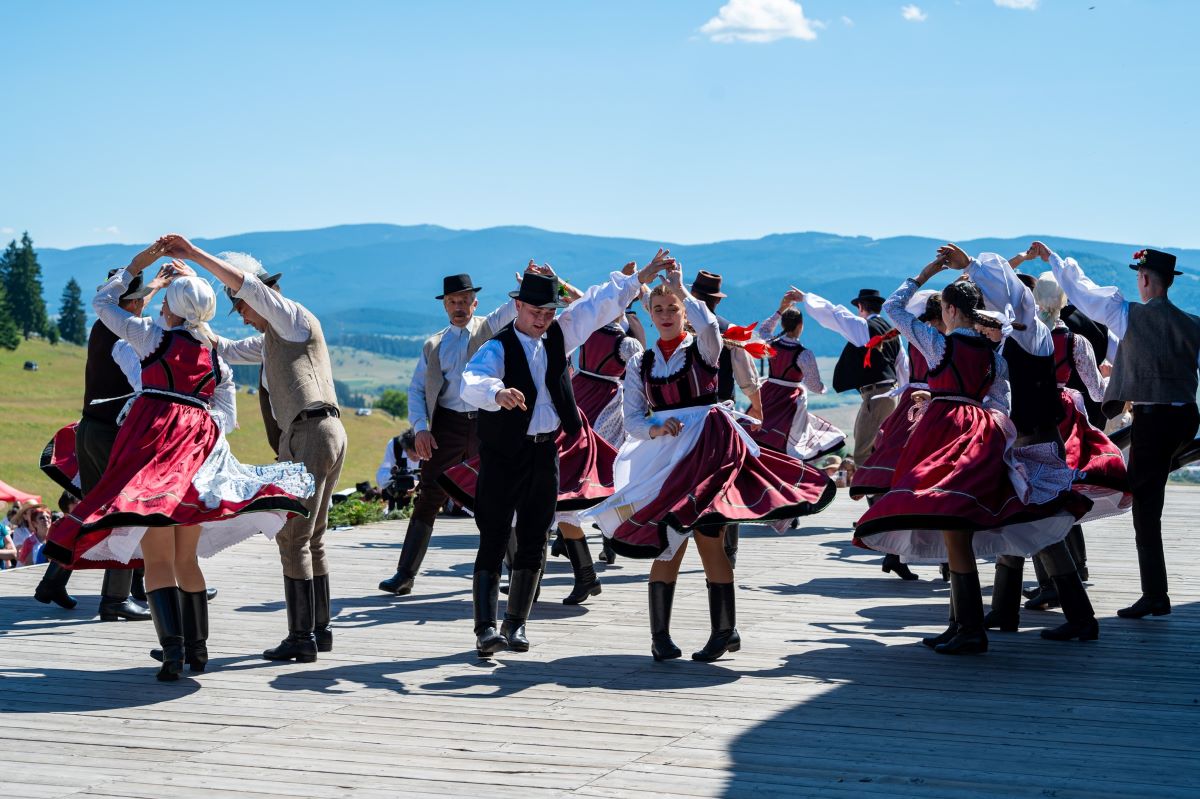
{"x":520,"y":381}
{"x":302,"y":415}
{"x":863,"y":329}
{"x":1156,"y":370}
{"x":444,"y":423}
{"x":104,"y":380}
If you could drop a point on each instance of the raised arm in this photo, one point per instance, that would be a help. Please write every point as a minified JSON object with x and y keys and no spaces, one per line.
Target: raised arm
{"x":140,"y":331}
{"x":242,"y":351}
{"x":766,"y":328}
{"x":1000,"y":288}
{"x":1105,"y":304}
{"x":600,"y":304}
{"x":837,"y":318}
{"x":925,"y":337}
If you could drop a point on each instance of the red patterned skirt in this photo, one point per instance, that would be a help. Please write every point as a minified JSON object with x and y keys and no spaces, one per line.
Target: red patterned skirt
{"x":1103,"y":477}
{"x":874,"y":475}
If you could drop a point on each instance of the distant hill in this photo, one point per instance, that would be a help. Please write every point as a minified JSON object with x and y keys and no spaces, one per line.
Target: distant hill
{"x":381,"y":279}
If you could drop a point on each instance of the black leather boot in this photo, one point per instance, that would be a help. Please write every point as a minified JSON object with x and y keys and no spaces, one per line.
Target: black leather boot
{"x":1078,"y":549}
{"x":950,"y":631}
{"x":194,"y":606}
{"x":586,"y":582}
{"x":322,"y":629}
{"x":210,"y":593}
{"x":485,"y":596}
{"x":971,"y":638}
{"x":53,"y":588}
{"x":300,"y":644}
{"x":558,"y":548}
{"x":510,"y":554}
{"x":944,"y":570}
{"x":891,"y":563}
{"x":731,"y":544}
{"x":1081,"y":617}
{"x":662,"y":597}
{"x":607,"y":553}
{"x":137,"y":585}
{"x":1044,"y":598}
{"x":1006,"y":599}
{"x":416,"y":544}
{"x":115,"y":603}
{"x":168,"y":624}
{"x":1147,"y":606}
{"x":723,"y":621}
{"x":523,"y":585}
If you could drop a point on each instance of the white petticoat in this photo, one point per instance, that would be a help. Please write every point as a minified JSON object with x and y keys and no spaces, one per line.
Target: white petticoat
{"x":221,"y":478}
{"x":811,"y":435}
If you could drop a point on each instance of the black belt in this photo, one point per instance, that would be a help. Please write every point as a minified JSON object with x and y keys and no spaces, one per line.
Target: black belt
{"x":464,"y":414}
{"x":541,"y":438}
{"x":319,"y":413}
{"x":1161,"y":407}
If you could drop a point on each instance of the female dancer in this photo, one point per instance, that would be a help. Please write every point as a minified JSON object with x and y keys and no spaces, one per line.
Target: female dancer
{"x":787,"y":424}
{"x":173,"y":489}
{"x":959,"y":490}
{"x":688,"y":466}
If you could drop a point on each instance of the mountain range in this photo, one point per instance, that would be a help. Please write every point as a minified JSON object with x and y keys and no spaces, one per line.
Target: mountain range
{"x":381,"y":279}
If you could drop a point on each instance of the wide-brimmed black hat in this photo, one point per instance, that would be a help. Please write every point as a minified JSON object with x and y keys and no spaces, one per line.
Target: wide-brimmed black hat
{"x":1155,"y":261}
{"x":456,"y":283}
{"x":539,"y":290}
{"x":707,"y":284}
{"x":267,"y":280}
{"x":136,"y":288}
{"x":866,"y":294}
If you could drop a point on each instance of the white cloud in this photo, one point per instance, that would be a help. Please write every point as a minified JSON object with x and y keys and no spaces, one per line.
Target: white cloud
{"x":913,"y":13}
{"x":111,"y":230}
{"x":760,"y":21}
{"x":1025,"y":5}
{"x":849,"y":23}
{"x":7,"y":231}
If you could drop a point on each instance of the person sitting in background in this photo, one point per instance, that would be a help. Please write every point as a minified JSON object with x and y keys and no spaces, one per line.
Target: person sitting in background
{"x":21,"y":529}
{"x":8,"y":550}
{"x":38,"y":524}
{"x":398,"y":471}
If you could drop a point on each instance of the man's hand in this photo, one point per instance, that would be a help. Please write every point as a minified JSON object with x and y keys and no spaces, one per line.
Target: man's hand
{"x":660,"y":261}
{"x":424,"y":445}
{"x":954,"y":256}
{"x":629,"y":268}
{"x":790,"y":297}
{"x":510,"y":398}
{"x":544,"y":269}
{"x":146,"y":257}
{"x":176,"y":246}
{"x":671,"y":427}
{"x":1039,"y":250}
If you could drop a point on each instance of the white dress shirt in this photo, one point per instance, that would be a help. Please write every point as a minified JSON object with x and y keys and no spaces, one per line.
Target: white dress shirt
{"x":452,"y":355}
{"x":848,"y":324}
{"x":383,"y":474}
{"x":1001,"y":289}
{"x":484,"y":373}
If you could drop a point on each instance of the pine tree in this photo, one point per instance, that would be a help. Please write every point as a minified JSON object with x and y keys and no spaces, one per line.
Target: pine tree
{"x":23,"y":281}
{"x":72,"y":318}
{"x":10,"y":337}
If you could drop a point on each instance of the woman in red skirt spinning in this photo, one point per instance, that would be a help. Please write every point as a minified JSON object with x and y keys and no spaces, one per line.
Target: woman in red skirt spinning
{"x":960,"y":490}
{"x":172,"y":489}
{"x":687,"y":467}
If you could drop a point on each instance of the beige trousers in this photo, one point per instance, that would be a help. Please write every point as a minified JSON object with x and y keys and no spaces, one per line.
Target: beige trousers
{"x":320,"y":444}
{"x":871,"y":415}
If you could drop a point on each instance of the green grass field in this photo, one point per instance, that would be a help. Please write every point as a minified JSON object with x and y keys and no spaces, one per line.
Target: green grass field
{"x":33,"y":405}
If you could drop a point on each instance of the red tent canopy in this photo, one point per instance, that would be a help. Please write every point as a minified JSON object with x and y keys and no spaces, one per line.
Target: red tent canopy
{"x":10,"y":494}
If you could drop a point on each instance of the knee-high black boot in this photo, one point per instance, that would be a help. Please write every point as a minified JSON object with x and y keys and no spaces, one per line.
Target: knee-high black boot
{"x":115,"y":603}
{"x":971,"y":638}
{"x":1046,"y":595}
{"x":558,"y":548}
{"x":662,"y":597}
{"x":168,"y":624}
{"x":53,"y":588}
{"x":300,"y":644}
{"x":137,"y":584}
{"x":586,"y":582}
{"x":607,"y":553}
{"x":194,"y":608}
{"x":950,"y":630}
{"x":416,"y":544}
{"x":893,"y":564}
{"x":723,"y":621}
{"x":485,"y":596}
{"x":1006,"y":598}
{"x":523,"y":585}
{"x":1078,"y":547}
{"x":510,"y":555}
{"x":1081,"y":618}
{"x":732,"y":532}
{"x":322,"y":629}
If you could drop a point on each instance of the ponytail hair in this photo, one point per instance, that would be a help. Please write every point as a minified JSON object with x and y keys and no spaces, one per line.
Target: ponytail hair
{"x":967,"y":298}
{"x":791,"y":319}
{"x":194,"y":301}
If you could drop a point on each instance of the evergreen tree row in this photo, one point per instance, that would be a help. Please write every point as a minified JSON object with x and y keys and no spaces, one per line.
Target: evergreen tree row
{"x":22,"y":307}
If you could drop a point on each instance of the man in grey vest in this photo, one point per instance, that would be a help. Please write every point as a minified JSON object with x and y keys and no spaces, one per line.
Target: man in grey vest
{"x":1155,"y":369}
{"x":445,"y":425}
{"x":303,"y":413}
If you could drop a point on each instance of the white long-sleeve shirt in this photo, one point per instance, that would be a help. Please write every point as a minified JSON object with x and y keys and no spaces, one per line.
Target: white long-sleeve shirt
{"x":452,"y":355}
{"x":1000,"y":288}
{"x":383,"y":474}
{"x":806,"y":360}
{"x":635,"y":405}
{"x":142,"y":335}
{"x":849,"y":325}
{"x":483,"y":376}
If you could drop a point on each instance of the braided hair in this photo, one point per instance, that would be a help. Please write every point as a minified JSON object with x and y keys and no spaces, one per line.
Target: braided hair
{"x":967,"y":298}
{"x":933,"y":309}
{"x":790,"y":320}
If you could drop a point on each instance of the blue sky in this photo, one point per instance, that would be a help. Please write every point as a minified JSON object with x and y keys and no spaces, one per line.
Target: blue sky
{"x":663,"y":120}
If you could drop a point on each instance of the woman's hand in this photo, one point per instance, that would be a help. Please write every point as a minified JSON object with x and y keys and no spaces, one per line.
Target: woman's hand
{"x":790,"y":298}
{"x":671,"y":427}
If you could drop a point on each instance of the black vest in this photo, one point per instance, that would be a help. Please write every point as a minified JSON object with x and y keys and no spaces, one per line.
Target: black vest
{"x":102,"y":378}
{"x":1096,"y":335}
{"x":1036,"y":400}
{"x":850,"y":374}
{"x":506,"y":429}
{"x":725,"y":382}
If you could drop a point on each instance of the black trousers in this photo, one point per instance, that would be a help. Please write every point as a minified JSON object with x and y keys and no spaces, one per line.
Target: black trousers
{"x":456,"y":442}
{"x":524,"y":482}
{"x":94,"y":441}
{"x":1159,"y":432}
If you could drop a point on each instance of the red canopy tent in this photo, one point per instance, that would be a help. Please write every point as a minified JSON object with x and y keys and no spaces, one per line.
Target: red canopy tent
{"x":10,"y":494}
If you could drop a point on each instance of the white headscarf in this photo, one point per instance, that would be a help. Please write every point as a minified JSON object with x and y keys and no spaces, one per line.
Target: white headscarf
{"x":1050,"y":298}
{"x":194,"y":300}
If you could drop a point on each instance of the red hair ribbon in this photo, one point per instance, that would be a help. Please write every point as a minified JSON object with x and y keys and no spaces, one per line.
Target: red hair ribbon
{"x":876,"y":342}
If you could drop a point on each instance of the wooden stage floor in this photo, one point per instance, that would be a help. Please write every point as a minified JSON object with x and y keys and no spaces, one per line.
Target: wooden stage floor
{"x":831,"y":694}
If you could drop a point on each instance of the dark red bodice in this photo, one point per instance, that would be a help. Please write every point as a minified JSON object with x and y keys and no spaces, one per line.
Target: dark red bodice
{"x":601,"y":353}
{"x":918,"y":367}
{"x":181,"y":365}
{"x":967,"y":370}
{"x":783,"y":364}
{"x":1064,"y":354}
{"x":694,"y":384}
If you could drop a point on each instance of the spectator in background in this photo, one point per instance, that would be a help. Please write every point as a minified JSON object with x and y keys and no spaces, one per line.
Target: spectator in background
{"x":37,"y":521}
{"x":398,"y":471}
{"x":21,"y":530}
{"x":8,"y":550}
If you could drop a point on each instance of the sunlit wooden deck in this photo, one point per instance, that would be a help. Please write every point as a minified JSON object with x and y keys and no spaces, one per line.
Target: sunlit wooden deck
{"x":830,"y":696}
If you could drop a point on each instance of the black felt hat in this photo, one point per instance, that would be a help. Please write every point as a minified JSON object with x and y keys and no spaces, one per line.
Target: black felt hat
{"x":866,"y":294}
{"x":267,"y":280}
{"x":456,"y":283}
{"x":1155,"y":261}
{"x":707,"y":284}
{"x":539,"y":290}
{"x":136,"y":288}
